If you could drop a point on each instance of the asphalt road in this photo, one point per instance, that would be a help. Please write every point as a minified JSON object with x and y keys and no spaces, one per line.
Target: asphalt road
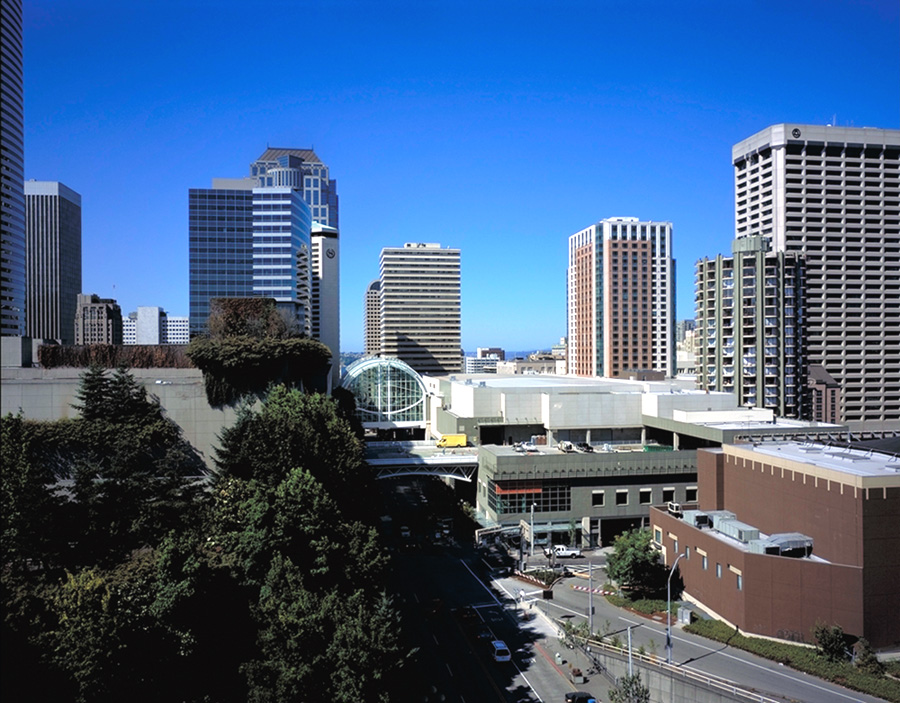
{"x":696,"y":653}
{"x":449,"y":644}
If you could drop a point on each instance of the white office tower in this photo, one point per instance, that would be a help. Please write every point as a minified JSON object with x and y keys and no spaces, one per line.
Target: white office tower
{"x":372,"y":319}
{"x":621,"y":299}
{"x":420,"y":307}
{"x":152,"y":325}
{"x":326,"y":300}
{"x":832,"y":195}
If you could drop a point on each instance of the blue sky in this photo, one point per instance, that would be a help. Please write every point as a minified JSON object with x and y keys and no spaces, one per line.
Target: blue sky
{"x":497,"y":127}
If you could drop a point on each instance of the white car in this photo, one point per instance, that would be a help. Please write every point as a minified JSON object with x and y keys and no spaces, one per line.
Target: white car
{"x":501,"y":651}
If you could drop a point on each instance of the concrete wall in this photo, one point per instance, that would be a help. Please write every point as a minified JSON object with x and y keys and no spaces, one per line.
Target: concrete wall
{"x":48,"y":394}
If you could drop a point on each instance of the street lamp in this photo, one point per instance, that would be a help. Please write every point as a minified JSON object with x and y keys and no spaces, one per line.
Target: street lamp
{"x":532,"y":529}
{"x":669,"y":611}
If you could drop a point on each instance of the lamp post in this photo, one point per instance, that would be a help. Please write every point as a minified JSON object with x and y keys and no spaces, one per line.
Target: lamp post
{"x":532,"y":529}
{"x":669,"y":611}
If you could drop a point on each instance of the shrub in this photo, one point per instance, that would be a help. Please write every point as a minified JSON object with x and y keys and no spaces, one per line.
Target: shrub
{"x":801,"y":658}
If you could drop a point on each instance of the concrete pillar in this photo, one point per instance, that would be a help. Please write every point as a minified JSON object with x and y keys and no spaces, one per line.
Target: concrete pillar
{"x":643,"y":436}
{"x":586,"y":532}
{"x":675,"y":441}
{"x":587,"y":437}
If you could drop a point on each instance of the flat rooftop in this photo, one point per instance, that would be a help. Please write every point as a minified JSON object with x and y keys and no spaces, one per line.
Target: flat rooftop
{"x":417,"y":452}
{"x":853,"y":462}
{"x":549,"y":381}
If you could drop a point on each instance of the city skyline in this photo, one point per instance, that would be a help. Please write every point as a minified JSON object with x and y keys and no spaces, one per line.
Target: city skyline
{"x":498,"y":134}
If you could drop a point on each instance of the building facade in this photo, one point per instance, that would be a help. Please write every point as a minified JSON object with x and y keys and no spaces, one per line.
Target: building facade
{"x":749,"y":336}
{"x":621,"y":298}
{"x":832,"y":196}
{"x":97,"y":320}
{"x":152,"y":325}
{"x":372,"y":319}
{"x":252,"y":236}
{"x":785,"y":535}
{"x":12,"y":172}
{"x":326,"y":294}
{"x":420,"y":307}
{"x":53,"y":260}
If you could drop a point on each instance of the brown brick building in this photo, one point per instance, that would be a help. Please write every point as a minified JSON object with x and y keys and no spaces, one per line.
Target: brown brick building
{"x":761,"y":508}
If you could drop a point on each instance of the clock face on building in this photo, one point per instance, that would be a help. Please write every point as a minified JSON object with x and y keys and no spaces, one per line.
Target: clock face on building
{"x":795,"y":133}
{"x":329,"y":253}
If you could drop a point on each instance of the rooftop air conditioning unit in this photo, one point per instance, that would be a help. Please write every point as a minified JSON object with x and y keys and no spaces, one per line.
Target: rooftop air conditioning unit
{"x":674,"y":509}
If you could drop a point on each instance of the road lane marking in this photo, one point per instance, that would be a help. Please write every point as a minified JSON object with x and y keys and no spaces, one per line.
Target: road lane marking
{"x":744,"y":661}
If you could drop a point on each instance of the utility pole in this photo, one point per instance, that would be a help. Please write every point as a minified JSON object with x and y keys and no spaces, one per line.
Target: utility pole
{"x":669,"y":611}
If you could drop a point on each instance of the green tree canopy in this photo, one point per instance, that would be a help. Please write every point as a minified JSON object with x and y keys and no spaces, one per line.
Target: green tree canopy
{"x":629,"y":689}
{"x":634,"y":563}
{"x":293,"y":429}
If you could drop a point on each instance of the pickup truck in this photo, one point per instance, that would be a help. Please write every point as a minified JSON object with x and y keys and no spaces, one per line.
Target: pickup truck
{"x":561,"y":551}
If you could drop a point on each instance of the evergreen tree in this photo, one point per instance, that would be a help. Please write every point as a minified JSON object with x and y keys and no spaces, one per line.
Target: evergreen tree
{"x":629,"y":689}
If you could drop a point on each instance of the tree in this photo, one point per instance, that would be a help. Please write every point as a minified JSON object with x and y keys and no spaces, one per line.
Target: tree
{"x":134,"y":476}
{"x":634,"y":563}
{"x":28,"y":503}
{"x":629,"y":689}
{"x":830,"y":641}
{"x":294,"y":429}
{"x":864,"y":657}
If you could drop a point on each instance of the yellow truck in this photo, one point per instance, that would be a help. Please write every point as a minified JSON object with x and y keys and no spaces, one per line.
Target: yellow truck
{"x":453,"y":440}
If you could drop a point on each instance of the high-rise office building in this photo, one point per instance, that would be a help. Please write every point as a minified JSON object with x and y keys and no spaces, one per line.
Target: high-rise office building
{"x":326,"y":297}
{"x":420,"y":307}
{"x":252,"y":236}
{"x":621,"y":298}
{"x":749,"y":314}
{"x":53,"y":260}
{"x":832,"y":196}
{"x":12,"y":172}
{"x":372,"y":318}
{"x":97,"y":320}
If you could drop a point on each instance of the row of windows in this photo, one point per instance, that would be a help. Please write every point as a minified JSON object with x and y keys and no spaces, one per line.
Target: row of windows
{"x":645,"y":496}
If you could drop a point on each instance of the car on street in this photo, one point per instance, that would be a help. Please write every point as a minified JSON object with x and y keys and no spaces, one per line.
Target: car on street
{"x":561,"y":551}
{"x":580,"y":697}
{"x":500,"y":651}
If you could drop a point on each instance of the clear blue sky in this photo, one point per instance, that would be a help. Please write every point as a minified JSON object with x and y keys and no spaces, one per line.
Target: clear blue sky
{"x":497,"y":127}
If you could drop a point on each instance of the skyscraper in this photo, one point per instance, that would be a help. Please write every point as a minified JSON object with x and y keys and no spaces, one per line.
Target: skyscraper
{"x":621,"y":298}
{"x":271,"y":234}
{"x":252,"y":236}
{"x":420,"y":307}
{"x":326,"y":297}
{"x":832,"y":196}
{"x":372,"y":318}
{"x":749,"y":314}
{"x":12,"y":172}
{"x":53,"y":260}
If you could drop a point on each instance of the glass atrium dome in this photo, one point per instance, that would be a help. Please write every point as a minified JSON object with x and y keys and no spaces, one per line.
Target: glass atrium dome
{"x":388,"y":393}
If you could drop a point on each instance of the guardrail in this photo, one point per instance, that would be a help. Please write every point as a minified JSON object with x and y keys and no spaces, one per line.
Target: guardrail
{"x":712,"y":682}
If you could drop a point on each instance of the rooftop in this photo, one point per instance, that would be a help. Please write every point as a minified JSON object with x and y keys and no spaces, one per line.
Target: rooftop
{"x":853,"y":462}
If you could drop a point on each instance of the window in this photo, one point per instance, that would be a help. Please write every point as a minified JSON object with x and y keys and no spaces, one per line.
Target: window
{"x":622,"y":496}
{"x":704,"y":563}
{"x":690,"y":494}
{"x":646,"y":496}
{"x":669,"y":494}
{"x":740,"y":582}
{"x":687,"y":552}
{"x":657,"y":535}
{"x":676,"y":548}
{"x":598,"y":498}
{"x":718,"y":570}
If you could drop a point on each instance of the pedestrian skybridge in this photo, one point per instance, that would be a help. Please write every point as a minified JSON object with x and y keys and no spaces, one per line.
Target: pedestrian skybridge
{"x":390,"y":459}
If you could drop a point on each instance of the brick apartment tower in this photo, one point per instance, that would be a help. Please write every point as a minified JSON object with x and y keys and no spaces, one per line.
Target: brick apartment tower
{"x":621,"y":298}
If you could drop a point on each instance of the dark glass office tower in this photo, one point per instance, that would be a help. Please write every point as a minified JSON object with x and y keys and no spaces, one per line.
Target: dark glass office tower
{"x":251,"y":237}
{"x":12,"y":172}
